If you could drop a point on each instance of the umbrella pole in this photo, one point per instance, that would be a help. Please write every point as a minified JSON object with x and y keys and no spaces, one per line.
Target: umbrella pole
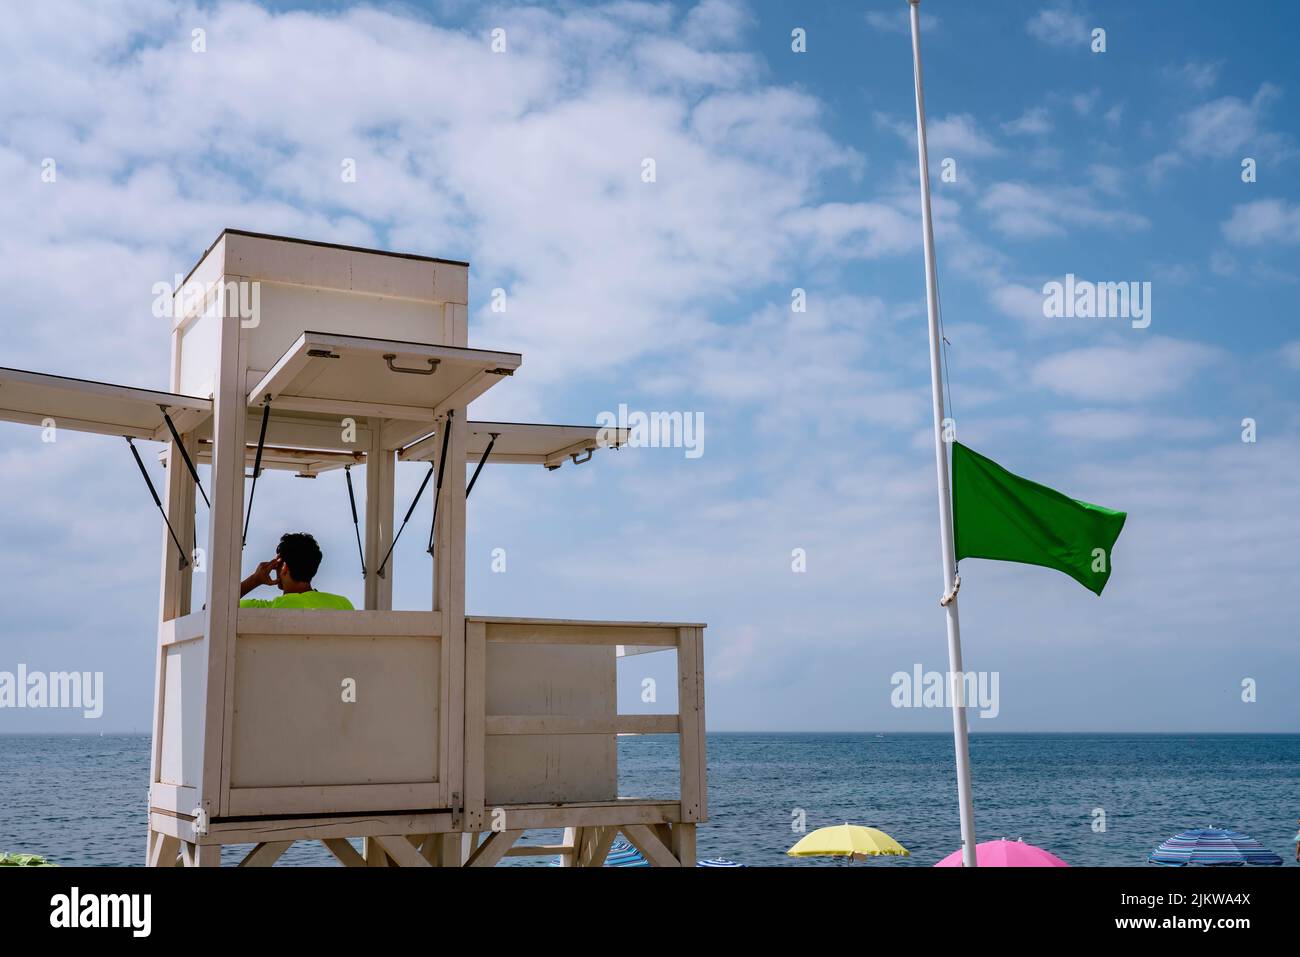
{"x":955,"y":672}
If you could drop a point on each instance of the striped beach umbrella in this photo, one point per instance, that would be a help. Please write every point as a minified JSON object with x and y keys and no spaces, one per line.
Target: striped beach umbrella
{"x":623,"y":854}
{"x":1212,"y":847}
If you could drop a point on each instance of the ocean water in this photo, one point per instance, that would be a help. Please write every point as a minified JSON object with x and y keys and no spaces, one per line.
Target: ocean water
{"x":81,"y":799}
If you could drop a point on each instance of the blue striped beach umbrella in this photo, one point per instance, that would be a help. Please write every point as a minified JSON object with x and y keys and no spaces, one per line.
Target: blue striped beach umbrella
{"x":623,"y":854}
{"x":1212,"y":847}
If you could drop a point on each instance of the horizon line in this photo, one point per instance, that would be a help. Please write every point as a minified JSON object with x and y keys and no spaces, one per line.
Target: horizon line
{"x":943,"y":733}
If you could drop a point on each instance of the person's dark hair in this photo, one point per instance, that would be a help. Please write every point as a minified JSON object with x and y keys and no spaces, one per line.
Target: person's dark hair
{"x":300,"y":552}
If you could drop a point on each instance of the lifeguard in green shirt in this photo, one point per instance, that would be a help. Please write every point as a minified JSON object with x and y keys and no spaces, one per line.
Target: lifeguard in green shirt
{"x":296,"y":559}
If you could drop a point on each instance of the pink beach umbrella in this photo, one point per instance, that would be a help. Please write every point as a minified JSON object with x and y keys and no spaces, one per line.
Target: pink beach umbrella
{"x":1006,"y":853}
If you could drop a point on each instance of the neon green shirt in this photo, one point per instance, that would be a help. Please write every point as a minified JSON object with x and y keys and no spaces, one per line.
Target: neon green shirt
{"x":302,"y":599}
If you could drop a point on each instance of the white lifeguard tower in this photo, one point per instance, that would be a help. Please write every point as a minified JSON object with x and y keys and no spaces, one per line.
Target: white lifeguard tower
{"x":468,"y":731}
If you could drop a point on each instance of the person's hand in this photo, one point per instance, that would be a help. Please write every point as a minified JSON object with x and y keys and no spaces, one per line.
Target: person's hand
{"x":268,"y":573}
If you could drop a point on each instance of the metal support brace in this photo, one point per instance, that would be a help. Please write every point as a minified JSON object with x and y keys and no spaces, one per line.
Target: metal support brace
{"x":352,"y":498}
{"x":189,"y":463}
{"x":479,"y":468}
{"x":156,"y":500}
{"x":257,"y":467}
{"x":414,"y":502}
{"x":442,"y":470}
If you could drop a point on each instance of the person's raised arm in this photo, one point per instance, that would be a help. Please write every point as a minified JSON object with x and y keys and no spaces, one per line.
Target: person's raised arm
{"x":267,"y":573}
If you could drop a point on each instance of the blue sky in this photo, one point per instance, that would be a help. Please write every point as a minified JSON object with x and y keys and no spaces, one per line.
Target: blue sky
{"x":776,"y":170}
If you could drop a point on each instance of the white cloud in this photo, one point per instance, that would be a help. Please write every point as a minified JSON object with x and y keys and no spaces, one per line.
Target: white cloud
{"x":1291,"y":354}
{"x":854,"y":230}
{"x":1084,"y":103}
{"x":899,"y":21}
{"x":1108,"y":425}
{"x":1019,"y":302}
{"x":1225,"y":126}
{"x":531,"y":171}
{"x":713,"y":21}
{"x":1059,"y":25}
{"x":957,"y":135}
{"x":1196,"y":75}
{"x":1047,"y":157}
{"x":1022,"y":211}
{"x":746,"y":124}
{"x":960,"y":135}
{"x":843,"y":351}
{"x":1264,"y":221}
{"x":1162,"y":164}
{"x":665,"y":57}
{"x":1151,"y":367}
{"x":1034,"y":121}
{"x":1107,"y":178}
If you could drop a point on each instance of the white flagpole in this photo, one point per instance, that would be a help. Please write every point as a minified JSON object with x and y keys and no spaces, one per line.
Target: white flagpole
{"x":955,"y":673}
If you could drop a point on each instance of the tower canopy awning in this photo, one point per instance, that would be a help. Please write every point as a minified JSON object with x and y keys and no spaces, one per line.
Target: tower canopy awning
{"x":84,"y":405}
{"x":356,"y":375}
{"x":517,"y":443}
{"x":524,"y":443}
{"x":306,"y":463}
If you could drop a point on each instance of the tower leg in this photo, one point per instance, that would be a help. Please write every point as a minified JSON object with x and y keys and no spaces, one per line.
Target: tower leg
{"x":375,"y":855}
{"x":164,"y":850}
{"x":683,"y":843}
{"x":207,"y":855}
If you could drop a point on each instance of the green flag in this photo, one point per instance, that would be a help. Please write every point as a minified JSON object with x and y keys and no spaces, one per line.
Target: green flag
{"x":1005,"y":517}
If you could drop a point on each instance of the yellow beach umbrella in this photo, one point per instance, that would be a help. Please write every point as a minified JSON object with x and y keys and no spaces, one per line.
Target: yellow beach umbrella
{"x":847,"y":840}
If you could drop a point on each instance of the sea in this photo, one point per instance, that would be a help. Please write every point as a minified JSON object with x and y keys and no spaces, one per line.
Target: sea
{"x":1091,"y":799}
